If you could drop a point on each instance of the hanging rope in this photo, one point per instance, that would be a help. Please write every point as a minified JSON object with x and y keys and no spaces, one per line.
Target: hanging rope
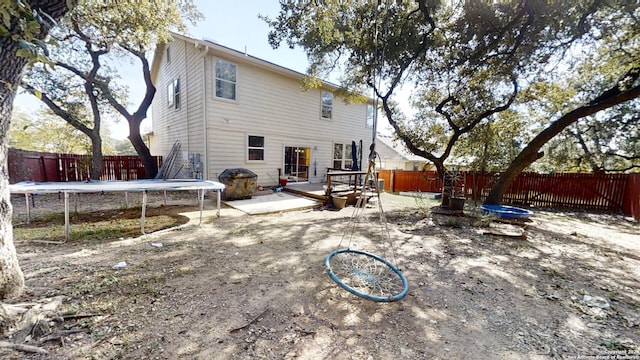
{"x":364,"y":274}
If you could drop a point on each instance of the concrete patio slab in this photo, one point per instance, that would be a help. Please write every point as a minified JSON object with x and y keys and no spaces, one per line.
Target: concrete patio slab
{"x":273,"y":203}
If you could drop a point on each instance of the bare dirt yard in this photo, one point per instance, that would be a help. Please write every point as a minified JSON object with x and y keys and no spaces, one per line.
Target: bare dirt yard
{"x":255,"y":287}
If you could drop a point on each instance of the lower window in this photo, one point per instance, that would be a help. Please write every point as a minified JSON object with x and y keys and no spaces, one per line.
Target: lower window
{"x":342,"y":156}
{"x":255,"y":148}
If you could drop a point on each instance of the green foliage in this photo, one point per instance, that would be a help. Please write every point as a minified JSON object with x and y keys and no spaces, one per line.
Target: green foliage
{"x":490,"y":146}
{"x":26,"y":26}
{"x":467,"y":63}
{"x":607,"y":142}
{"x":136,"y":25}
{"x":121,"y":147}
{"x":89,"y":47}
{"x":46,"y":132}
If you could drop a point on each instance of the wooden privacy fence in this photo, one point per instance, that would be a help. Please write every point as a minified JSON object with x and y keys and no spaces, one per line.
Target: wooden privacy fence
{"x":608,"y":192}
{"x":43,"y":166}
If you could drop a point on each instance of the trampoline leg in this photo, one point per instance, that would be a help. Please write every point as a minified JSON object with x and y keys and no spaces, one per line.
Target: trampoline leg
{"x":218,"y":201}
{"x":66,"y":216}
{"x":26,"y":199}
{"x":201,"y":204}
{"x":144,"y":210}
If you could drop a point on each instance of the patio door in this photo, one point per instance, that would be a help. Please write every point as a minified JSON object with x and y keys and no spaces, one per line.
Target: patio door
{"x":296,"y":163}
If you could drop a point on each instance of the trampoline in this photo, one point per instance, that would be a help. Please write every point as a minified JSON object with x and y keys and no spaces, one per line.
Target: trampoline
{"x":73,"y":187}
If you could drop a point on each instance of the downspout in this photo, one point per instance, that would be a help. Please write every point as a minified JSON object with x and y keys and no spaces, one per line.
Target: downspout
{"x":205,"y":167}
{"x":183,"y":99}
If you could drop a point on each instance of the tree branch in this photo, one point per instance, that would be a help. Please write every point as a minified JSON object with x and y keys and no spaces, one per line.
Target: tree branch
{"x":424,"y":9}
{"x":72,"y":69}
{"x":141,"y":113}
{"x":588,"y":155}
{"x":57,"y":109}
{"x":531,"y":152}
{"x":626,"y":157}
{"x":440,"y":110}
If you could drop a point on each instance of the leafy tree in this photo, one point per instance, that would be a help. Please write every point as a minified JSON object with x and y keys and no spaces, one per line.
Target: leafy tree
{"x":610,"y":143}
{"x":24,"y":25}
{"x":490,"y":146}
{"x":67,"y":95}
{"x":122,"y":147}
{"x":95,"y":38}
{"x":46,"y":132}
{"x":466,"y":60}
{"x":606,"y":142}
{"x":607,"y":77}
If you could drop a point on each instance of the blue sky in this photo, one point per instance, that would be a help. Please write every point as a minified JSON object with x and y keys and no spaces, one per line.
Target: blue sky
{"x":235,"y":24}
{"x":232,"y":23}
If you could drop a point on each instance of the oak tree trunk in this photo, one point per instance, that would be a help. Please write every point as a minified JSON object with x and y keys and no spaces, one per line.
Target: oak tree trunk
{"x":11,"y":66}
{"x":11,"y":277}
{"x":611,"y":97}
{"x":96,"y":156}
{"x":150,"y":165}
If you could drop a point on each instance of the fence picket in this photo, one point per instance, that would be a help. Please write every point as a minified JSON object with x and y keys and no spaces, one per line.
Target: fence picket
{"x":41,"y":166}
{"x":560,"y":190}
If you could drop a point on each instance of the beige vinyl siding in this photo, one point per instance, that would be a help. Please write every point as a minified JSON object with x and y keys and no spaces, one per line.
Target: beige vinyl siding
{"x":170,"y":124}
{"x":194,"y":74}
{"x":270,"y":103}
{"x":277,"y":108}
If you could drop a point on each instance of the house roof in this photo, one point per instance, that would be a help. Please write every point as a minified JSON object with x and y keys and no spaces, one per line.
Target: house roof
{"x":397,"y":150}
{"x":213,"y":48}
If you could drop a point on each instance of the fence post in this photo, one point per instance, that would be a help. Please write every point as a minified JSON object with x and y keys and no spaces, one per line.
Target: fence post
{"x":631,"y":202}
{"x":392,"y":182}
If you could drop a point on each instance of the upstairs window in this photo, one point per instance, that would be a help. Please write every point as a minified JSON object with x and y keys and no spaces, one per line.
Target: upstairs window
{"x":225,"y":78}
{"x":327,"y":105}
{"x":170,"y":94}
{"x":173,"y":94}
{"x":255,"y":148}
{"x":369,"y":116}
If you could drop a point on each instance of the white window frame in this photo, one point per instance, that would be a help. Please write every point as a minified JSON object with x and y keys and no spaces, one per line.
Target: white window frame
{"x":370,"y":117}
{"x":263,"y":148}
{"x":344,"y":160}
{"x":234,"y":82}
{"x":176,"y":93}
{"x":173,"y":94}
{"x":170,"y":94}
{"x":323,"y":106}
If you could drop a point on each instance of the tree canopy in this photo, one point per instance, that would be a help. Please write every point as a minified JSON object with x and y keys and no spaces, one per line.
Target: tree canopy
{"x":46,"y":132}
{"x":468,"y":62}
{"x":90,"y":45}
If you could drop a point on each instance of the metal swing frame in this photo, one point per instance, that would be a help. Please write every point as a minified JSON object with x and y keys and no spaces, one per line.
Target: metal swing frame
{"x":365,"y":274}
{"x":361,"y":280}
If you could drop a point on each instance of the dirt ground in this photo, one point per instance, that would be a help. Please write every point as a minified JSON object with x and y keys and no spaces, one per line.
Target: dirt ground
{"x":255,"y":287}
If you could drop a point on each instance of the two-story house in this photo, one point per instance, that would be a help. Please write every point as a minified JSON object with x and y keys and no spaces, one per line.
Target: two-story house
{"x":228,"y":109}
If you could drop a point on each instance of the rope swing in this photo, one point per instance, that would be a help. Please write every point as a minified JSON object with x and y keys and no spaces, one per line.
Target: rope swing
{"x":361,"y":273}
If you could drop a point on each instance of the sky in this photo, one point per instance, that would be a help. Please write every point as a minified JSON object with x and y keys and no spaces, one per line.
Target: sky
{"x":235,"y":24}
{"x":232,"y":23}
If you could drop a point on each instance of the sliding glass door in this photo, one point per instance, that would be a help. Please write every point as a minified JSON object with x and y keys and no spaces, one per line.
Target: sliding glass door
{"x":296,"y":163}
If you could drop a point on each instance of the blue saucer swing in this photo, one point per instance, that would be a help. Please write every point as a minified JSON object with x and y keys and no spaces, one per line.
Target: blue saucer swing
{"x":361,"y":273}
{"x":507,"y":212}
